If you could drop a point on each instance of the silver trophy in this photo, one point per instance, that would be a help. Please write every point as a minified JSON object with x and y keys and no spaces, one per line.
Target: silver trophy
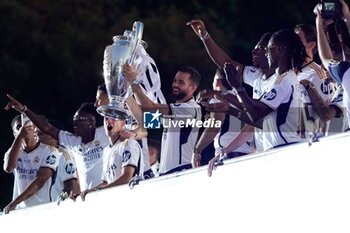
{"x":116,"y":55}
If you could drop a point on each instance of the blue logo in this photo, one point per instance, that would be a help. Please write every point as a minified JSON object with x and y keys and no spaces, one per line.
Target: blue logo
{"x":151,"y":120}
{"x":270,"y":95}
{"x":126,"y":156}
{"x":51,"y":159}
{"x":70,"y":168}
{"x":337,"y":99}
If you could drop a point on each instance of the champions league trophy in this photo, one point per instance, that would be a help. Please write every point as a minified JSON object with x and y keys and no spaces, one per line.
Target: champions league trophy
{"x":115,"y":56}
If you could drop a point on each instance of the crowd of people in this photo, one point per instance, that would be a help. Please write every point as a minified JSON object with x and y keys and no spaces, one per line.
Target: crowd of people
{"x":283,"y":98}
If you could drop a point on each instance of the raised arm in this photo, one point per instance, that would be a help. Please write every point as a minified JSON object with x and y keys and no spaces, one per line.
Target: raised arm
{"x":136,"y":111}
{"x":254,"y":108}
{"x":38,"y":121}
{"x":218,"y":55}
{"x":324,"y":49}
{"x":130,"y":73}
{"x":346,"y":14}
{"x":12,"y":156}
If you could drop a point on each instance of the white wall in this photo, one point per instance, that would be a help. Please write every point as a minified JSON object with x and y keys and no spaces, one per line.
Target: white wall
{"x":293,"y":189}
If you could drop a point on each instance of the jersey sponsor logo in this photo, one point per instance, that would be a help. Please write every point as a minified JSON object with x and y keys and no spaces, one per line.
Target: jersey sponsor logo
{"x":51,"y":159}
{"x":70,"y":168}
{"x":270,"y":95}
{"x":327,"y":88}
{"x":111,"y":171}
{"x":93,"y":154}
{"x":126,"y":156}
{"x":151,"y":120}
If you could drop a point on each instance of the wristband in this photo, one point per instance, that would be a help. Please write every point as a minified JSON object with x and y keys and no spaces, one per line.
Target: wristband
{"x":135,"y":82}
{"x":205,"y":36}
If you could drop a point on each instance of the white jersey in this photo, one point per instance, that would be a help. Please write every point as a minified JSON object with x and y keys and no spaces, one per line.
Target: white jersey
{"x":316,"y":75}
{"x":280,"y":126}
{"x":148,"y":75}
{"x":26,"y":170}
{"x":88,"y":157}
{"x":261,"y":85}
{"x":121,"y":154}
{"x":66,"y":170}
{"x":230,"y":128}
{"x":178,"y":143}
{"x":150,"y":83}
{"x":341,"y":124}
{"x":341,"y":73}
{"x":251,"y":74}
{"x":155,"y":169}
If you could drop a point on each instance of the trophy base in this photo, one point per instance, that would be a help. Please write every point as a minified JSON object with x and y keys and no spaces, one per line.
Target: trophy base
{"x":112,"y":112}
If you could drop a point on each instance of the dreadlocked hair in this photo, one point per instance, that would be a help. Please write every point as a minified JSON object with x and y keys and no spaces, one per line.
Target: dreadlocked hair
{"x":295,"y":49}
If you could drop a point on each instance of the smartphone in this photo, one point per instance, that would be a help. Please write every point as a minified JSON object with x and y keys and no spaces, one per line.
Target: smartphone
{"x":25,"y":120}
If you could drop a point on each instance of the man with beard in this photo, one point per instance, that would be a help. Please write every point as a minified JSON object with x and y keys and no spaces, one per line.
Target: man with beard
{"x":177,"y":142}
{"x":86,"y":143}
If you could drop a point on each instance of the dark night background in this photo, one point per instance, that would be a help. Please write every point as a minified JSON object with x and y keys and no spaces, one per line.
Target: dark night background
{"x":51,"y":52}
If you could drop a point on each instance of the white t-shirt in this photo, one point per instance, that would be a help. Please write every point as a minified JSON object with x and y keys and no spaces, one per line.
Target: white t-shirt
{"x":25,"y":172}
{"x":66,"y":170}
{"x":280,"y":126}
{"x":178,"y":143}
{"x":88,"y":157}
{"x":119,"y":155}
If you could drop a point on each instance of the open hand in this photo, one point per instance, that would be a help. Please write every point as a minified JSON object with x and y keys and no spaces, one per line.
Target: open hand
{"x":197,"y":26}
{"x":233,"y":75}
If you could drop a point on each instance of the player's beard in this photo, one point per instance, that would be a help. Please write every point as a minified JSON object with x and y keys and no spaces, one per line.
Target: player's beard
{"x":180,"y":95}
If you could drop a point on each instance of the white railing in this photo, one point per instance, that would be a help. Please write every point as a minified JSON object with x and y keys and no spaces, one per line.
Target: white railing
{"x":299,"y":188}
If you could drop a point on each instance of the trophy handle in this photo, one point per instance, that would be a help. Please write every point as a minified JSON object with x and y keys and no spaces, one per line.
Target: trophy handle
{"x":137,"y":31}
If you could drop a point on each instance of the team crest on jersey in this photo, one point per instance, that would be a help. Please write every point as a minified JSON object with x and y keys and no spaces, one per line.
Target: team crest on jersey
{"x":126,"y":156}
{"x":36,"y":159}
{"x":70,"y":168}
{"x":97,"y":143}
{"x":51,"y":159}
{"x":270,"y":95}
{"x":252,"y":70}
